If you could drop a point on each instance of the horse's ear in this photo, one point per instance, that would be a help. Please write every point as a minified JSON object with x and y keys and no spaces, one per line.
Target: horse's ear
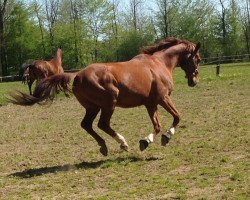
{"x":197,"y":47}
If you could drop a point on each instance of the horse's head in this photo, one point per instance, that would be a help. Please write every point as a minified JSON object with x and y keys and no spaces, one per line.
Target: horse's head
{"x":189,"y":63}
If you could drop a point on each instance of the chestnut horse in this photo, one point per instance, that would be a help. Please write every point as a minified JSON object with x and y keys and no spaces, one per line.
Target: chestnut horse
{"x":40,"y":69}
{"x":147,"y":80}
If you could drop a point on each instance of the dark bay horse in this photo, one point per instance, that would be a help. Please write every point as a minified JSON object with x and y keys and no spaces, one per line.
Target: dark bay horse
{"x":147,"y":80}
{"x":40,"y":69}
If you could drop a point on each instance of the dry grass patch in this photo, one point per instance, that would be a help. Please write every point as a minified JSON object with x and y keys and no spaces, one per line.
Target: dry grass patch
{"x":45,"y":153}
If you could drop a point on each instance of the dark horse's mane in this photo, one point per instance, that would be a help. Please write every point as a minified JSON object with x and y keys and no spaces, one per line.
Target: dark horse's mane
{"x":165,"y":45}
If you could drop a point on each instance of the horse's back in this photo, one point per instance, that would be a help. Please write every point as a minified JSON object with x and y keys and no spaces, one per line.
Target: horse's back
{"x":127,"y":84}
{"x":44,"y":68}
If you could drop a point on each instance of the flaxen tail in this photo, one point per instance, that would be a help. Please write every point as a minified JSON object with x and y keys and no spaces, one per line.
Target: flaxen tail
{"x":46,"y":89}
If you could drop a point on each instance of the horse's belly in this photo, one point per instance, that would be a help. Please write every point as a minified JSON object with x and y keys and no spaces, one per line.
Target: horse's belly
{"x":129,"y":100}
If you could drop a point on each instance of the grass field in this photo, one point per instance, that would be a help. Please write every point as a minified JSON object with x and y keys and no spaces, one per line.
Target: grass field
{"x":46,"y":155}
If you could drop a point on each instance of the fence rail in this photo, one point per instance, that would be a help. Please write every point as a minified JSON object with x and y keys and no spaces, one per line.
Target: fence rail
{"x":226,"y":59}
{"x":9,"y":78}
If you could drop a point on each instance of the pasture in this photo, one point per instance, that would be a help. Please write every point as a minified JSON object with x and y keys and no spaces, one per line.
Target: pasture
{"x":46,"y":155}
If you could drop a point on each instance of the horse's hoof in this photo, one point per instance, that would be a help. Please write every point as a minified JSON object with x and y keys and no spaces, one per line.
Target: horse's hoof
{"x":104,"y":150}
{"x":124,"y":147}
{"x":164,"y":140}
{"x":143,"y":144}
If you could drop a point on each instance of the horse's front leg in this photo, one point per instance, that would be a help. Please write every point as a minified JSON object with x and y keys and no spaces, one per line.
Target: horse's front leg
{"x":30,"y":82}
{"x":153,"y":114}
{"x":168,"y":105}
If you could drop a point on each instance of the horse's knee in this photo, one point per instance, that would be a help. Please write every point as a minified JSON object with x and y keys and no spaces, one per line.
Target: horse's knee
{"x":86,"y":125}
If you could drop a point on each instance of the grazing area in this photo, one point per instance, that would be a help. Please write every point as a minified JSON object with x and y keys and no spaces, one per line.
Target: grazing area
{"x":46,"y":154}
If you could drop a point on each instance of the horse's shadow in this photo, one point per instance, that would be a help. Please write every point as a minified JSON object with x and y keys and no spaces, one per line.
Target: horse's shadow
{"x":29,"y":173}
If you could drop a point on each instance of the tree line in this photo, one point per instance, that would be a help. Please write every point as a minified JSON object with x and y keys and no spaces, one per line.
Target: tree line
{"x":114,"y":30}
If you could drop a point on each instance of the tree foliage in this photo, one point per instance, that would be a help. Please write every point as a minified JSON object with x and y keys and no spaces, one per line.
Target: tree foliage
{"x":111,"y":30}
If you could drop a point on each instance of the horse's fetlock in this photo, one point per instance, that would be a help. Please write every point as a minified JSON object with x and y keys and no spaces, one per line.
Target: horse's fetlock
{"x":176,"y":120}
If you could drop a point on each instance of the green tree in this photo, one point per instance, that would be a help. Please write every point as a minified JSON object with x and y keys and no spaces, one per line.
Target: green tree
{"x":3,"y":60}
{"x":245,"y":19}
{"x":131,"y":43}
{"x":40,"y":19}
{"x":52,"y":10}
{"x":235,"y":33}
{"x":21,"y":37}
{"x":166,"y":13}
{"x":195,"y":22}
{"x":97,"y":16}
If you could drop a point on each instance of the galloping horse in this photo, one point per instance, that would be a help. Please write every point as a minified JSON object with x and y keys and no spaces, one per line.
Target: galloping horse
{"x":40,"y":69}
{"x":147,"y":80}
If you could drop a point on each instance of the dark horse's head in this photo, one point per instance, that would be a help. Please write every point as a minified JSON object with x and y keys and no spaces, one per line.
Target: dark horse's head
{"x":189,"y":63}
{"x":23,"y":73}
{"x":22,"y":70}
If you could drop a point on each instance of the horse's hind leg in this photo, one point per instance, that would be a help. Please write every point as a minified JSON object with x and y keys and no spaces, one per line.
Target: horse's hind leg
{"x":153,"y":114}
{"x":87,"y":124}
{"x":168,"y":105}
{"x":104,"y":124}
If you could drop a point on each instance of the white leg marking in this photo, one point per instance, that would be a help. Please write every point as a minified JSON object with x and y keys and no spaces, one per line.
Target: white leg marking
{"x":150,"y":138}
{"x":170,"y":132}
{"x":120,"y":139}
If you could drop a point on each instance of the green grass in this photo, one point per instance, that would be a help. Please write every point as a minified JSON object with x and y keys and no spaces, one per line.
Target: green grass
{"x":6,"y":88}
{"x":45,"y":153}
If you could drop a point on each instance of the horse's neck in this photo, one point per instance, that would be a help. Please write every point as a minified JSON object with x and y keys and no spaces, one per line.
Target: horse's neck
{"x":170,"y":60}
{"x":173,"y":55}
{"x":57,"y":59}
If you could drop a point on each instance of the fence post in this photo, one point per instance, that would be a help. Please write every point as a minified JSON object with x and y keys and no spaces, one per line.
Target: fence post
{"x":218,"y":66}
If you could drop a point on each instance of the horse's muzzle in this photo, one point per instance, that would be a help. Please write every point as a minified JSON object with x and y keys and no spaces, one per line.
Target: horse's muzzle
{"x":192,"y":81}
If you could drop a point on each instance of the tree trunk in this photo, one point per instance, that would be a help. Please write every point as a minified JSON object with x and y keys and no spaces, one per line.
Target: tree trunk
{"x":3,"y":60}
{"x":1,"y":45}
{"x":52,"y":7}
{"x":247,"y":31}
{"x":115,"y":27}
{"x":40,"y":26}
{"x":134,"y":4}
{"x":74,"y":17}
{"x":223,"y":21}
{"x":165,"y":20}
